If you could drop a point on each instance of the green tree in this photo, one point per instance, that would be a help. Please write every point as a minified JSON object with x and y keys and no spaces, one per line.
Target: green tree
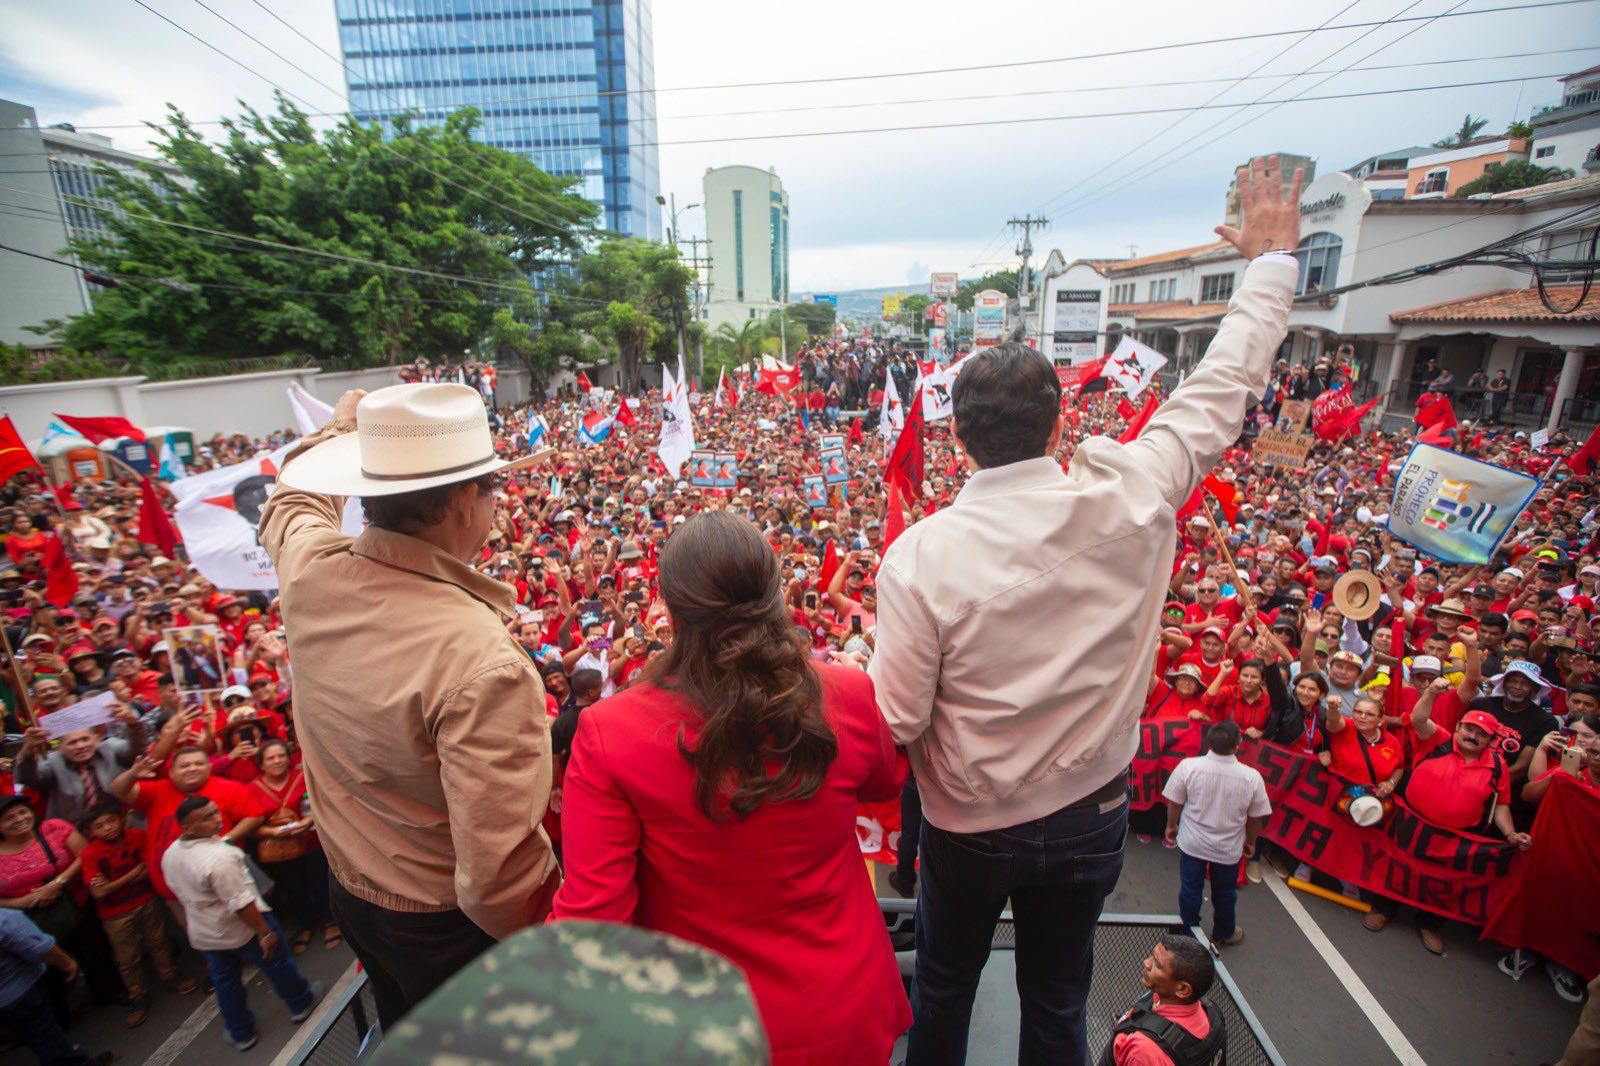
{"x":1519,"y":128}
{"x":19,"y":366}
{"x":743,"y":344}
{"x":1462,"y":137}
{"x":911,"y":308}
{"x":618,"y":302}
{"x":817,"y":318}
{"x":1003,"y":280}
{"x":1517,"y":174}
{"x":187,"y":289}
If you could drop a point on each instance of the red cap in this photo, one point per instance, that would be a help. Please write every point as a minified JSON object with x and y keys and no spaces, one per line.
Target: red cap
{"x":1483,"y":720}
{"x":1208,"y":630}
{"x":81,"y":649}
{"x":1582,"y":603}
{"x":104,"y":619}
{"x":1524,"y":616}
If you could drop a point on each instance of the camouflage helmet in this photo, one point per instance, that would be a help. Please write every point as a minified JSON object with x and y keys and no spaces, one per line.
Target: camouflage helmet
{"x":591,"y":992}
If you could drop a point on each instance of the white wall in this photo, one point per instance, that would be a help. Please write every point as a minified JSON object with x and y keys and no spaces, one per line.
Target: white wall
{"x":1572,"y":146}
{"x":255,"y":404}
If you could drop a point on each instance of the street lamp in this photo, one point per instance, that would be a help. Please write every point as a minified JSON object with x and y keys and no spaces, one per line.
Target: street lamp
{"x":672,"y":231}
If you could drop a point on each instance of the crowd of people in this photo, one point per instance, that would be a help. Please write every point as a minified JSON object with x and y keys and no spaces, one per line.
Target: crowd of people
{"x":746,"y":625}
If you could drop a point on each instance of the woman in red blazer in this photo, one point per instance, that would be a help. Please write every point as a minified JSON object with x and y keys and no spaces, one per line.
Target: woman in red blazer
{"x":716,"y":801}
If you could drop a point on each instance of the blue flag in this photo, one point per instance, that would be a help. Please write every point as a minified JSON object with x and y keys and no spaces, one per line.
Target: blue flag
{"x":537,"y":428}
{"x":171,"y":466}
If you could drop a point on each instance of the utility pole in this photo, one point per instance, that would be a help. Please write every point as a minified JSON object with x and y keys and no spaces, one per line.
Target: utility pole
{"x":1025,"y":249}
{"x":697,"y":263}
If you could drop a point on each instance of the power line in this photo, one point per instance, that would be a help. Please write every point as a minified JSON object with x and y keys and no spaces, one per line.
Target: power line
{"x":1101,"y":114}
{"x":1075,"y":58}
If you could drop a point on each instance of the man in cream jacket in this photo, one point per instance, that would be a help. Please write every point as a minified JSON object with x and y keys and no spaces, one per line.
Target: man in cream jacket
{"x":1015,"y":630}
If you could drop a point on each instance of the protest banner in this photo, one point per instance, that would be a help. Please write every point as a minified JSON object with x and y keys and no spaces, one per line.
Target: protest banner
{"x":85,"y":714}
{"x":1562,"y":866}
{"x":816,"y":491}
{"x":1281,"y":448}
{"x":1163,"y":743}
{"x":1456,"y":508}
{"x":727,"y":470}
{"x":197,"y":660}
{"x":834,"y":469}
{"x":702,"y":473}
{"x":1538,"y":439}
{"x":1460,"y":875}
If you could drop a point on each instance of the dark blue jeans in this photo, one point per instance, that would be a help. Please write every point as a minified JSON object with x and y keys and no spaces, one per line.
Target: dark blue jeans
{"x":1057,"y":872}
{"x":30,"y":1017}
{"x":1192,"y":874}
{"x":281,"y":971}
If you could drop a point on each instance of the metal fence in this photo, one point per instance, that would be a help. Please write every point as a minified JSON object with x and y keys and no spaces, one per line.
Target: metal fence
{"x":1122,"y":941}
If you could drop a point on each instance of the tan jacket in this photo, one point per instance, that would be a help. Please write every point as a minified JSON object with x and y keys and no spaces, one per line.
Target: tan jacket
{"x":422,"y":722}
{"x":1015,"y":627}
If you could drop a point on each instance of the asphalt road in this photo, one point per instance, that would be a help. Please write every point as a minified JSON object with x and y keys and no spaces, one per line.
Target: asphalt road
{"x":1457,"y":1010}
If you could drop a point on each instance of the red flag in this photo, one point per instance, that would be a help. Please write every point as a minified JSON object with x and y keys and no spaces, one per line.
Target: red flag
{"x":584,"y":384}
{"x":1090,"y":375}
{"x":1139,"y":421}
{"x":1227,"y":498}
{"x":103,"y":428}
{"x":155,"y":527}
{"x":1437,"y":437}
{"x":855,"y":431}
{"x":14,"y":454}
{"x":1125,"y":410}
{"x":906,"y":461}
{"x":60,"y":580}
{"x":1436,"y":412}
{"x":1584,"y":459}
{"x":774,"y":382}
{"x":1538,"y":914}
{"x":68,"y":502}
{"x":894,"y":518}
{"x":830,"y":565}
{"x":733,"y":392}
{"x":624,"y":415}
{"x":1394,"y":705}
{"x":1333,"y":416}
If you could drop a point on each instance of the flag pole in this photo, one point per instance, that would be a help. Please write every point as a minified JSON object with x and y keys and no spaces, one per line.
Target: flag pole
{"x":1242,"y":587}
{"x":23,"y":702}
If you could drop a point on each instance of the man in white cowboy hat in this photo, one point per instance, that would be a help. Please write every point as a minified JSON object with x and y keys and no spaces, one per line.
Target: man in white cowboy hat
{"x":422,"y":722}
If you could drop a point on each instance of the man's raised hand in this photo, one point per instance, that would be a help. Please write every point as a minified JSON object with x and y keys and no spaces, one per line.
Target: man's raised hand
{"x":1269,"y":219}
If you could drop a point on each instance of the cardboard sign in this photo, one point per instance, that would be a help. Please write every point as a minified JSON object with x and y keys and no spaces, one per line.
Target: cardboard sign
{"x":727,"y":470}
{"x":1282,"y":448}
{"x":832,"y":440}
{"x":1538,"y":439}
{"x":816,"y":491}
{"x":835,"y":471}
{"x":702,"y":468}
{"x":1292,"y":414}
{"x":85,"y":714}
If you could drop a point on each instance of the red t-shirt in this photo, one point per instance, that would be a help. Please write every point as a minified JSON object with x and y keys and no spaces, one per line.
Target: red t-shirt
{"x":1447,"y":711}
{"x":1345,"y":747}
{"x":112,"y":861}
{"x":1229,"y":703}
{"x":1228,"y":608}
{"x":1165,"y":703}
{"x":159,"y":801}
{"x":1449,"y":790}
{"x":1208,"y":671}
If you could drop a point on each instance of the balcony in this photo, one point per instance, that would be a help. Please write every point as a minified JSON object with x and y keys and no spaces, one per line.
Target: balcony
{"x":1591,"y":162}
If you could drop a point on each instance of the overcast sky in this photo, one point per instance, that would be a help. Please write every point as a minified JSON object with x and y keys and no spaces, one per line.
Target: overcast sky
{"x":886,"y":208}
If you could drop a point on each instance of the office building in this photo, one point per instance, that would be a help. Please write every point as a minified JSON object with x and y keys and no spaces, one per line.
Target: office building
{"x":747,"y":224}
{"x":570,"y":87}
{"x":52,"y":185}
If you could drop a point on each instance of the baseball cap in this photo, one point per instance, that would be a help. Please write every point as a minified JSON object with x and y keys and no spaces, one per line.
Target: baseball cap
{"x":1427,"y":664}
{"x":234,"y":690}
{"x":1185,"y":670}
{"x":1482,"y":719}
{"x":1345,"y":657}
{"x":1215,"y":631}
{"x":1524,"y":615}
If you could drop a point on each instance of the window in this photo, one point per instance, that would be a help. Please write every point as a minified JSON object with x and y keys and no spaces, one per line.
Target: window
{"x":1567,"y":245}
{"x":1122,"y":294}
{"x":1581,"y":96}
{"x":1163,"y":289}
{"x":1215,"y":288}
{"x":1319,"y":262}
{"x":1544,"y":152}
{"x":1434,"y":181}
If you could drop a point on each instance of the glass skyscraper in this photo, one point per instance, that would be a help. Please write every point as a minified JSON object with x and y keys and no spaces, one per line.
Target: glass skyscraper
{"x":568,"y":84}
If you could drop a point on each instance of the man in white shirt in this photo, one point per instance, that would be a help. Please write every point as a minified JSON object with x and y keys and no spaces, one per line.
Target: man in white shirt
{"x":1216,"y":806}
{"x":229,"y":923}
{"x":1010,"y":626}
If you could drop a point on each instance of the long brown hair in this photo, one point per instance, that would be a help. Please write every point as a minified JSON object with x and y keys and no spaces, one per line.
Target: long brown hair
{"x":738,"y":658}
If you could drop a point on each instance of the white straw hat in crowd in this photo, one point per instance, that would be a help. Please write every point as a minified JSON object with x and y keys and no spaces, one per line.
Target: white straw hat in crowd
{"x":407,"y":437}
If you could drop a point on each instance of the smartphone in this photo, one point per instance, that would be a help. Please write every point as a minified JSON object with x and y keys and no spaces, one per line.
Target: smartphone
{"x":600,"y":644}
{"x":638,"y":632}
{"x":855,"y":624}
{"x":1572,"y":760}
{"x":634,"y":597}
{"x":811,"y":599}
{"x":589,"y":608}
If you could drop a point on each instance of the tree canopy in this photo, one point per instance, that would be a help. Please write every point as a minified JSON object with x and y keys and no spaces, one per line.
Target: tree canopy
{"x":1516,"y":174}
{"x":1002,"y":280}
{"x":423,"y":200}
{"x":1464,"y":134}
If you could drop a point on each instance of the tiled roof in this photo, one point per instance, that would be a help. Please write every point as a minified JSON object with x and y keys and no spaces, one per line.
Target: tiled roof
{"x":1166,"y":257}
{"x":1508,"y":305}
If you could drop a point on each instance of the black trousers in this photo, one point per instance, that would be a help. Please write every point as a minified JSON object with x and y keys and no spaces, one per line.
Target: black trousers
{"x":406,"y":956}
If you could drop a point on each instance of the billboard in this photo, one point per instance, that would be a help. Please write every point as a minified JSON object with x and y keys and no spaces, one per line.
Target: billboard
{"x":988,"y":318}
{"x":943,"y":284}
{"x":826,"y":298}
{"x":891,"y":306}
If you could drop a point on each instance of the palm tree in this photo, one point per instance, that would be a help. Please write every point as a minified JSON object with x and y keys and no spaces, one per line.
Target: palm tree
{"x":1463,"y":136}
{"x":744,"y":342}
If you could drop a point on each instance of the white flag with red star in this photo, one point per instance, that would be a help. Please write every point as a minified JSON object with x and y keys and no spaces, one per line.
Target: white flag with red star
{"x":892,"y":416}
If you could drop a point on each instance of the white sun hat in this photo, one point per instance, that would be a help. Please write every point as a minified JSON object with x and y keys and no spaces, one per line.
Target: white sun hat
{"x":407,"y":437}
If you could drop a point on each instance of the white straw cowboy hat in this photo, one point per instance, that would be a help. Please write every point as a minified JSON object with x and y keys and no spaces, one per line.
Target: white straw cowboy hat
{"x":407,"y":437}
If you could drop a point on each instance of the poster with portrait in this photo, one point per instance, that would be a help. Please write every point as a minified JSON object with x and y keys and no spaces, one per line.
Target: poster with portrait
{"x":198,"y":664}
{"x":832,"y":440}
{"x":702,"y":468}
{"x":816,"y":491}
{"x":835,"y":471}
{"x":727,"y":470}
